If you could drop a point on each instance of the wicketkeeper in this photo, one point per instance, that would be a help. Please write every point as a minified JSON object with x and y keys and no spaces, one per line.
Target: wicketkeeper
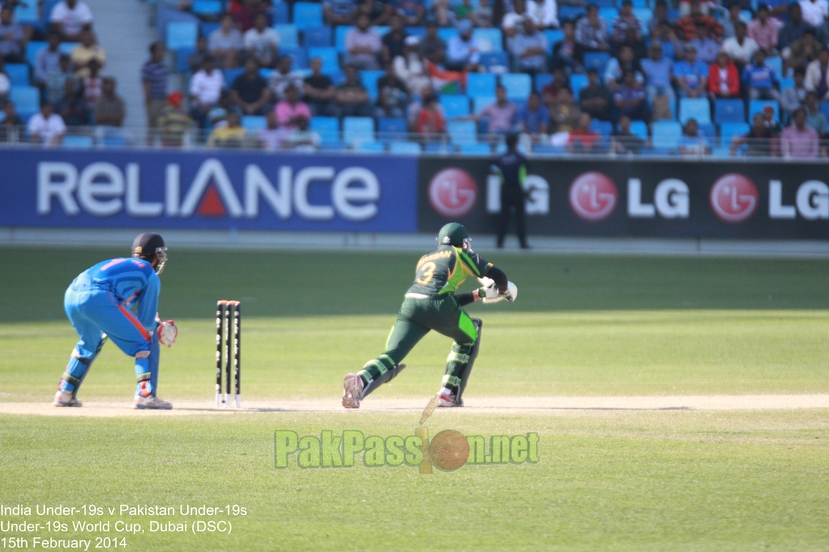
{"x":98,"y":304}
{"x":432,"y":304}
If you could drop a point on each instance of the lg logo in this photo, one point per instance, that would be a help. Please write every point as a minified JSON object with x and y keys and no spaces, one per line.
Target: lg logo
{"x":593,"y":196}
{"x":452,"y":192}
{"x":734,"y":198}
{"x":670,"y":199}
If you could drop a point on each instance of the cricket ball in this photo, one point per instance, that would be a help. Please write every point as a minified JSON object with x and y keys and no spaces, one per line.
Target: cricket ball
{"x":449,"y":450}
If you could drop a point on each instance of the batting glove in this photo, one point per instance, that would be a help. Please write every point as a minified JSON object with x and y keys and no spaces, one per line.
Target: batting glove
{"x":167,"y":332}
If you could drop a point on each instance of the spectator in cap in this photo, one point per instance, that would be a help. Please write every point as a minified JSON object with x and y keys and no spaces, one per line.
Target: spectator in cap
{"x":411,"y":68}
{"x":529,"y":48}
{"x":173,"y":121}
{"x":764,"y":30}
{"x":462,"y":53}
{"x":724,"y":78}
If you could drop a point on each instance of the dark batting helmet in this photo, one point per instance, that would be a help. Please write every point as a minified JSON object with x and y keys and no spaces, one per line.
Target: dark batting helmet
{"x":147,"y":245}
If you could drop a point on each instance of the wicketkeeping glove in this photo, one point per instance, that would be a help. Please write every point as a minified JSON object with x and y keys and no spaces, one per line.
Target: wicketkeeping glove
{"x":167,"y":332}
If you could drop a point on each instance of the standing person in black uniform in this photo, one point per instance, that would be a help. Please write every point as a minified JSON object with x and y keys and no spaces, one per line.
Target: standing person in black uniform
{"x":511,"y":167}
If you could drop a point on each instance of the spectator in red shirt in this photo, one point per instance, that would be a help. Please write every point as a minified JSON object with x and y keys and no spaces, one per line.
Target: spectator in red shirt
{"x":723,"y":77}
{"x":430,"y":120}
{"x":583,"y":140}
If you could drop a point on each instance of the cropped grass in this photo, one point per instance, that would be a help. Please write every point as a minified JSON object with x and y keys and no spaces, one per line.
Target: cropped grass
{"x":605,"y":480}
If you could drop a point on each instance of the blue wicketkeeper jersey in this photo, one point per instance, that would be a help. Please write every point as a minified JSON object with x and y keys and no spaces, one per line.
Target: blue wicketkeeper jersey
{"x":130,"y":280}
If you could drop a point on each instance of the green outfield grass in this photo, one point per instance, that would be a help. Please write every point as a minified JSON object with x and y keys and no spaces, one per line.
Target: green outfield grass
{"x":605,"y":480}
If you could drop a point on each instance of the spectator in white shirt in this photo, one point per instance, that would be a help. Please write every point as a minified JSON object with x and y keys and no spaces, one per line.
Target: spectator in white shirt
{"x":462,"y":52}
{"x":363,"y":44}
{"x":262,"y":42}
{"x":544,"y":13}
{"x":814,"y":11}
{"x":46,"y":127}
{"x":225,"y":43}
{"x":205,"y":90}
{"x":70,"y":17}
{"x":740,"y":47}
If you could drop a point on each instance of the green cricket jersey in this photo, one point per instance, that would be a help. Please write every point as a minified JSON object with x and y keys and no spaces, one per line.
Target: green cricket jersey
{"x":444,"y":270}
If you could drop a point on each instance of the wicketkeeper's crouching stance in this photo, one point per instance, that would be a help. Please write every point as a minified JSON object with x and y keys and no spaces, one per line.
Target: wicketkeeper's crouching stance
{"x":431,"y":304}
{"x":98,"y":305}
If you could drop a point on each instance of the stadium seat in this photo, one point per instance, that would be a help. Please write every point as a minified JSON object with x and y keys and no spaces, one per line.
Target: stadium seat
{"x":729,"y":130}
{"x":577,"y":82}
{"x":542,"y":80}
{"x":480,"y":84}
{"x":640,"y":129}
{"x":300,"y":60}
{"x":786,"y":82}
{"x":644,"y":15}
{"x":824,"y":108}
{"x":207,"y":7}
{"x":330,"y":58}
{"x":371,"y":147}
{"x":231,"y":75}
{"x":547,"y":149}
{"x":606,"y":4}
{"x":182,"y":57}
{"x":446,"y":33}
{"x":404,"y":148}
{"x":339,"y":36}
{"x":694,"y":108}
{"x":596,"y":60}
{"x":666,"y":134}
{"x":369,"y":79}
{"x":32,"y":49}
{"x":358,"y":130}
{"x":416,"y":31}
{"x":518,"y":85}
{"x":254,"y":122}
{"x":480,"y":102}
{"x":26,"y":100}
{"x":610,"y":13}
{"x":462,"y":132}
{"x":554,"y":36}
{"x":729,"y":111}
{"x":288,"y":35}
{"x":488,"y":40}
{"x":78,"y":142}
{"x":476,"y":149}
{"x":776,"y":63}
{"x":495,"y":62}
{"x":281,"y":13}
{"x":328,"y":128}
{"x":454,"y":106}
{"x":570,"y":13}
{"x":266,"y":73}
{"x":756,"y":106}
{"x":333,"y":146}
{"x":18,"y":74}
{"x":392,"y":128}
{"x":605,"y":128}
{"x":27,"y":12}
{"x":441,"y":148}
{"x":316,"y":37}
{"x":113,"y":141}
{"x":709,"y":130}
{"x":182,"y":34}
{"x":308,"y":14}
{"x":640,"y":4}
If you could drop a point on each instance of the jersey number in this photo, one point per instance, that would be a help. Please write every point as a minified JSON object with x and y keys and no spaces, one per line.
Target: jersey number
{"x":427,"y":272}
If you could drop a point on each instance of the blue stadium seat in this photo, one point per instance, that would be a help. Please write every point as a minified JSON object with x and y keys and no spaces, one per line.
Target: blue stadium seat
{"x":182,"y":56}
{"x":454,"y":106}
{"x":488,"y":40}
{"x":308,"y":14}
{"x":358,"y":129}
{"x":495,"y":61}
{"x":78,"y":142}
{"x":329,"y":56}
{"x":756,"y":106}
{"x":480,"y":84}
{"x":339,"y":36}
{"x":18,"y":74}
{"x":610,"y":13}
{"x":644,"y":15}
{"x":554,"y":36}
{"x":479,"y":149}
{"x":27,"y":12}
{"x":709,"y":130}
{"x":776,"y":63}
{"x":786,"y":82}
{"x":666,"y":134}
{"x":518,"y":85}
{"x":640,"y":129}
{"x":300,"y":61}
{"x":207,"y":7}
{"x":369,"y":79}
{"x":441,"y":148}
{"x":694,"y":108}
{"x":542,"y":80}
{"x":392,"y":128}
{"x":547,"y":149}
{"x":333,"y":146}
{"x":605,"y":128}
{"x":207,"y":27}
{"x":26,"y":100}
{"x":640,"y":4}
{"x":371,"y":147}
{"x":416,"y":31}
{"x":480,"y":102}
{"x":462,"y":132}
{"x":182,"y":34}
{"x":404,"y":148}
{"x":328,"y":128}
{"x":288,"y":35}
{"x":729,"y":130}
{"x":596,"y":60}
{"x":231,"y":75}
{"x":316,"y":37}
{"x":570,"y":13}
{"x":577,"y":82}
{"x":281,"y":13}
{"x":254,"y":122}
{"x":446,"y":33}
{"x":729,"y":111}
{"x":824,"y":108}
{"x":113,"y":141}
{"x":607,"y":4}
{"x":32,"y":49}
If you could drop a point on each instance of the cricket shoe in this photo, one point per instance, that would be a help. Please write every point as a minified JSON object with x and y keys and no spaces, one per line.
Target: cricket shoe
{"x":447,"y":399}
{"x":66,"y":398}
{"x":352,"y":391}
{"x":151,"y":402}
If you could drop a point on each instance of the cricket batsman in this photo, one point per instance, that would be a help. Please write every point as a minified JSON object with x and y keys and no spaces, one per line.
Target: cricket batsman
{"x":432,"y":304}
{"x":98,"y":304}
